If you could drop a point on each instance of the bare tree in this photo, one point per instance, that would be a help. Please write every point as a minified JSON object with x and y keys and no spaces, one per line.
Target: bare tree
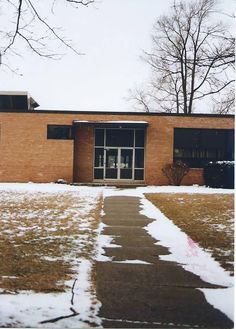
{"x":226,"y":103}
{"x":27,"y":21}
{"x":192,"y":58}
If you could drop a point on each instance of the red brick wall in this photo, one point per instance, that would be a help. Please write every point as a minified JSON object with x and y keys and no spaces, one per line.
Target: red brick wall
{"x":27,"y":155}
{"x":83,"y":155}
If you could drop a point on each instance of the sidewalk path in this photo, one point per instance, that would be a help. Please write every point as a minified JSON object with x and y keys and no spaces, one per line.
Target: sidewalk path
{"x":150,"y":293}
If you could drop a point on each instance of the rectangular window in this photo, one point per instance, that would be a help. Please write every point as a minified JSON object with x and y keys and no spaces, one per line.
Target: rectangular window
{"x":99,"y":137}
{"x":120,"y":137}
{"x":59,"y":132}
{"x":98,"y":173}
{"x":138,"y":174}
{"x":139,"y":138}
{"x":139,"y":158}
{"x":197,"y":147}
{"x":99,"y":158}
{"x":13,"y":102}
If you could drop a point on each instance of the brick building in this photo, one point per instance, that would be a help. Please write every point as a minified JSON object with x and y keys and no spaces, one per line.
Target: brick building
{"x":85,"y":147}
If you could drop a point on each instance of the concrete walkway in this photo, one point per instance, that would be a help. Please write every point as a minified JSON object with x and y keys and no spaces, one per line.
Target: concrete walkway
{"x":156,"y":295}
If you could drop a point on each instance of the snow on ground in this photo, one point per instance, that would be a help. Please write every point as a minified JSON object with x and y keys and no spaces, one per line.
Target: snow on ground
{"x":182,"y":248}
{"x":104,"y":241}
{"x":132,"y":261}
{"x":30,"y":309}
{"x":50,"y":188}
{"x":187,"y":253}
{"x":192,"y":258}
{"x":139,"y":191}
{"x":221,"y":299}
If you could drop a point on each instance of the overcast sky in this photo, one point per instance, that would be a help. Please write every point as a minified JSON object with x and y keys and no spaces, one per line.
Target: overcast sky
{"x":112,"y":35}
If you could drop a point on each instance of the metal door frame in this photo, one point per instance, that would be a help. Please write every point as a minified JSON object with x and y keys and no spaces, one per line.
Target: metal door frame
{"x":119,"y":149}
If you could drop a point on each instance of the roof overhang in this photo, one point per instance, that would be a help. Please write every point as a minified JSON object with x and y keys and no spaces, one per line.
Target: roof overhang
{"x":111,"y":124}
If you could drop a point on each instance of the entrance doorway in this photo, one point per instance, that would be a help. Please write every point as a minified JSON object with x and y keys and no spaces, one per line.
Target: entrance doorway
{"x":119,"y":154}
{"x":118,"y":163}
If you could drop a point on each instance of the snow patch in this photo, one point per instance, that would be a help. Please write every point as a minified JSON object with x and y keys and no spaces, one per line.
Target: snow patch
{"x":139,"y":191}
{"x":30,"y":309}
{"x":183,"y":249}
{"x":132,"y":261}
{"x":221,"y":299}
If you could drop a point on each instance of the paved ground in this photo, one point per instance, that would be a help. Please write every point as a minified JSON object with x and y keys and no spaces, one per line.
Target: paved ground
{"x":157,"y":295}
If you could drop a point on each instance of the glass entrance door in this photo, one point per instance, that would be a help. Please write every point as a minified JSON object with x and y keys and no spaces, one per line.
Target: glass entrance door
{"x":111,"y":164}
{"x":119,"y":154}
{"x":126,"y":163}
{"x":119,"y":163}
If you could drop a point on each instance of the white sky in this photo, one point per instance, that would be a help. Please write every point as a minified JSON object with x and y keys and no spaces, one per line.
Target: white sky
{"x":112,"y":34}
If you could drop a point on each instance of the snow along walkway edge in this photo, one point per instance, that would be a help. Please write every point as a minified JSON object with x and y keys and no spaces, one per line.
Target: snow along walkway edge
{"x":187,"y":253}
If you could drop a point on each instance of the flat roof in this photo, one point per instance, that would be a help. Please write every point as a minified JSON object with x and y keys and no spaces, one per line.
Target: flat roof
{"x":14,"y":93}
{"x":119,"y":113}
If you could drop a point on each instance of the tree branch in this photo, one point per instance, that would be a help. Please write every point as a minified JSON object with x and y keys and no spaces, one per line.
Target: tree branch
{"x":17,"y":27}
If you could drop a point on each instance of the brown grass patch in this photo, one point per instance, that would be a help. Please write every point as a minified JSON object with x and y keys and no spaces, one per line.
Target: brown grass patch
{"x":42,"y":236}
{"x":206,"y":218}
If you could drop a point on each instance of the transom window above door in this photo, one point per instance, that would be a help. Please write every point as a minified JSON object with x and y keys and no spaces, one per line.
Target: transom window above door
{"x":119,"y":137}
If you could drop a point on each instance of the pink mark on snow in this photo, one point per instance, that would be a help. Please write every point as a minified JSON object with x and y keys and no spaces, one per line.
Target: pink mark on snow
{"x":193,"y":247}
{"x":192,"y":253}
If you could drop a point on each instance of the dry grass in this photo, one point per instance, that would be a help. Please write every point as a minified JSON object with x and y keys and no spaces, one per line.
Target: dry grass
{"x":206,"y":218}
{"x":42,"y":238}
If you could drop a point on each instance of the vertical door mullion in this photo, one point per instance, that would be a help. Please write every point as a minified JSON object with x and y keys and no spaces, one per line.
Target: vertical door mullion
{"x":118,"y":162}
{"x":133,"y":162}
{"x":105,"y":153}
{"x":134,"y":146}
{"x":104,"y":162}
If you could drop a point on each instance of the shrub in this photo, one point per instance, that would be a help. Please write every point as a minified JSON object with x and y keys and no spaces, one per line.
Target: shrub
{"x":219,"y":174}
{"x":175,"y":172}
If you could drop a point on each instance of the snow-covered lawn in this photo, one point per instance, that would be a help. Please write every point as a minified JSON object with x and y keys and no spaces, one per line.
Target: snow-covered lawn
{"x":208,"y":219}
{"x":49,"y":240}
{"x":48,"y":244}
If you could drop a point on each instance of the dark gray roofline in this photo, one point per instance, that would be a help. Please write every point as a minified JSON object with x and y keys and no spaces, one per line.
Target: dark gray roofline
{"x":119,"y":113}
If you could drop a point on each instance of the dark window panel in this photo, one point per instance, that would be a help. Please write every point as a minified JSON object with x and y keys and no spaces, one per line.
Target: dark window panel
{"x":5,"y":102}
{"x":120,"y":137}
{"x":193,"y":153}
{"x":126,"y":160}
{"x":213,"y":138}
{"x":98,"y":173}
{"x":19,"y":102}
{"x":59,"y":132}
{"x":230,"y":145}
{"x":13,"y":102}
{"x":212,"y":145}
{"x":138,"y":174}
{"x":126,"y":173}
{"x":111,"y":173}
{"x":196,"y":163}
{"x":99,"y":137}
{"x":99,"y":157}
{"x":185,"y":138}
{"x":139,"y":158}
{"x":139,"y":138}
{"x":200,"y":138}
